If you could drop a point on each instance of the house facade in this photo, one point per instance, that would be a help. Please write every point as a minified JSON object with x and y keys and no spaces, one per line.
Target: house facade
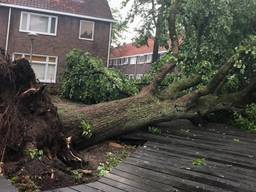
{"x":134,"y":61}
{"x":44,"y":31}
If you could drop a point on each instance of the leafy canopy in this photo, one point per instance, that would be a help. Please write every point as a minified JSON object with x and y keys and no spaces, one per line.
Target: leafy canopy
{"x":88,"y":81}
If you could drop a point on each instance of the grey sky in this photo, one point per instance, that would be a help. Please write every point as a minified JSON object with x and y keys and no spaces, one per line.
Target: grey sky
{"x":130,"y":34}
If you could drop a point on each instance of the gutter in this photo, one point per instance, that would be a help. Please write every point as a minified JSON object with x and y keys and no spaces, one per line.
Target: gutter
{"x":56,"y":12}
{"x":8,"y":31}
{"x":109,"y":43}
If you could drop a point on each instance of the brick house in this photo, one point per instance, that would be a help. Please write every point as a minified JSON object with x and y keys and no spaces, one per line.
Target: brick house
{"x":49,"y":29}
{"x":134,"y":61}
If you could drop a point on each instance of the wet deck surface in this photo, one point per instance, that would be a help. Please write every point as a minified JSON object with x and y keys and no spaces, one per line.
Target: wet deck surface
{"x":165,"y":162}
{"x":6,"y":186}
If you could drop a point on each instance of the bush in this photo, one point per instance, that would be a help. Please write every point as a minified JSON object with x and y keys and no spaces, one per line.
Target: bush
{"x":247,"y":119}
{"x":87,"y":80}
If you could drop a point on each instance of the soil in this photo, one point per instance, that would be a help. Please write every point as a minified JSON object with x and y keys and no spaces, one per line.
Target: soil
{"x":38,"y":174}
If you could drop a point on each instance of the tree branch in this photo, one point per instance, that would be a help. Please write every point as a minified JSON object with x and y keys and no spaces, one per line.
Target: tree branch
{"x":152,"y":87}
{"x":175,"y":88}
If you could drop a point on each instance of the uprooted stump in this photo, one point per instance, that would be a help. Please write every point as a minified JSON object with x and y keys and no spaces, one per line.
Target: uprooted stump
{"x":29,"y":125}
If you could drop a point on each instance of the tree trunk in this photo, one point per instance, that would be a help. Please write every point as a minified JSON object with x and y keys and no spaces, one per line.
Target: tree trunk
{"x":111,"y":119}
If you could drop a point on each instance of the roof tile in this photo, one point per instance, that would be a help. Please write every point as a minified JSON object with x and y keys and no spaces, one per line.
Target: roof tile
{"x":93,"y":8}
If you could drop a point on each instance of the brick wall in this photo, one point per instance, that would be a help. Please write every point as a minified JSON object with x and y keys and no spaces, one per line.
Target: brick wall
{"x":3,"y":26}
{"x":67,"y":38}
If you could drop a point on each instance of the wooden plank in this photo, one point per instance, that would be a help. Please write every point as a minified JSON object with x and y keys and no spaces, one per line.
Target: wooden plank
{"x":66,"y":189}
{"x":120,"y":185}
{"x":144,"y":181}
{"x":160,"y":176}
{"x":211,"y":138}
{"x":132,"y":183}
{"x":194,"y":179}
{"x":183,"y":143}
{"x":215,"y":157}
{"x":213,"y":169}
{"x":175,"y":152}
{"x":191,"y":147}
{"x":85,"y":188}
{"x":6,"y":186}
{"x":193,"y":175}
{"x":219,"y":129}
{"x":104,"y":187}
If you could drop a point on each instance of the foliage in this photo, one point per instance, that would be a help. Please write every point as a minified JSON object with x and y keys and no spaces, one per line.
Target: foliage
{"x":208,"y":31}
{"x":154,"y":130}
{"x":88,"y":81}
{"x":113,"y":160}
{"x":24,"y":183}
{"x":199,"y":162}
{"x":87,"y":128}
{"x":34,"y":153}
{"x":77,"y":175}
{"x":245,"y":65}
{"x":247,"y":119}
{"x":212,"y":29}
{"x":148,"y":77}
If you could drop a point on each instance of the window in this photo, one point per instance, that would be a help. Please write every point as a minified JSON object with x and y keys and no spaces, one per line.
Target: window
{"x":45,"y":67}
{"x":125,"y":61}
{"x":142,"y":59}
{"x":38,"y":23}
{"x":139,"y":76}
{"x":131,"y":76}
{"x":149,"y":59}
{"x":86,"y":30}
{"x":133,"y":60}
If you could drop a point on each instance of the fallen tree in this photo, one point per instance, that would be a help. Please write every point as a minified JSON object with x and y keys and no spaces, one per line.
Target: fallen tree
{"x":88,"y":125}
{"x":29,"y":120}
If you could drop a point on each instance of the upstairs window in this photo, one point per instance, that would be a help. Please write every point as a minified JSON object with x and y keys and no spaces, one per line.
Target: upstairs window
{"x":38,"y":23}
{"x":86,"y":30}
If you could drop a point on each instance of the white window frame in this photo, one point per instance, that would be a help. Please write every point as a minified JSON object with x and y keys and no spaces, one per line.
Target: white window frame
{"x":47,"y":63}
{"x":38,"y":32}
{"x":80,"y":30}
{"x":131,"y":76}
{"x":139,"y":76}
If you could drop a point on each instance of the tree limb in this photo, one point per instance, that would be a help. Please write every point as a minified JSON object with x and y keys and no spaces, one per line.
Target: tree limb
{"x":179,"y":86}
{"x":152,"y":87}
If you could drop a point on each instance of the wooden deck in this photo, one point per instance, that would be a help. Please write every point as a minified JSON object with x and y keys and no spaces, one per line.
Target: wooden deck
{"x":165,"y":163}
{"x":6,"y":186}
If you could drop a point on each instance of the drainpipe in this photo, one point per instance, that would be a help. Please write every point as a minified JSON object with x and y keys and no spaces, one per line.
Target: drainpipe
{"x":8,"y":31}
{"x":109,"y":43}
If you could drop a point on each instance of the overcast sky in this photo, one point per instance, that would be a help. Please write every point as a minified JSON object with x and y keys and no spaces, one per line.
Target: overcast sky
{"x":130,"y":34}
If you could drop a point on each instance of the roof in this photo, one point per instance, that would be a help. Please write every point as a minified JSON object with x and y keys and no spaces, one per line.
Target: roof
{"x":91,"y":8}
{"x":132,"y":50}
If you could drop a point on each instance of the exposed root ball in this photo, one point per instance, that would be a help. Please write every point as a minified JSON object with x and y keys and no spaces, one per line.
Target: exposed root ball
{"x":28,"y":119}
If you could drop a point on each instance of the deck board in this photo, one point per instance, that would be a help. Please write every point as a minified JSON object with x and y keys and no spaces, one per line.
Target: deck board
{"x":6,"y":186}
{"x":165,"y":162}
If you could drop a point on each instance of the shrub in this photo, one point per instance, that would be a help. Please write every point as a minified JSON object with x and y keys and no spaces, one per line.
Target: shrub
{"x":87,"y":80}
{"x":247,"y":119}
